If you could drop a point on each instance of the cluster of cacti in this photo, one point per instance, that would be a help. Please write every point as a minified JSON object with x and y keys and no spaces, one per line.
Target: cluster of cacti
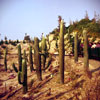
{"x":61,"y":51}
{"x":76,"y":47}
{"x":86,"y":58}
{"x":40,"y":54}
{"x":37,"y":62}
{"x":5,"y":59}
{"x":22,"y":72}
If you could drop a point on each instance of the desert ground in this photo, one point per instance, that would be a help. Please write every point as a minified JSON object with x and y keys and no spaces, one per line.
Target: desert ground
{"x":77,"y":86}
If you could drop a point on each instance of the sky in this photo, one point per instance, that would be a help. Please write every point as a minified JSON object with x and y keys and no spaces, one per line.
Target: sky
{"x":35,"y":17}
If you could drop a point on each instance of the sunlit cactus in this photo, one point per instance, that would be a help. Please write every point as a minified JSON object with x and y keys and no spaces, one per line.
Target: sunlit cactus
{"x":19,"y":60}
{"x":19,"y":57}
{"x":43,"y":51}
{"x":37,"y":58}
{"x":61,"y":51}
{"x":86,"y":59}
{"x":5,"y":59}
{"x":14,"y":67}
{"x":22,"y":76}
{"x":30,"y":58}
{"x":24,"y":55}
{"x":48,"y":62}
{"x":76,"y":47}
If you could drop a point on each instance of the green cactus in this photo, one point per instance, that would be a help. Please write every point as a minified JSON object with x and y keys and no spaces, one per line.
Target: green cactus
{"x":22,"y":76}
{"x":86,"y":58}
{"x":19,"y":57}
{"x":5,"y":59}
{"x":76,"y":47}
{"x":43,"y":51}
{"x":14,"y":67}
{"x":37,"y":58}
{"x":61,"y":51}
{"x":49,"y":62}
{"x":30,"y":58}
{"x":24,"y":55}
{"x":19,"y":60}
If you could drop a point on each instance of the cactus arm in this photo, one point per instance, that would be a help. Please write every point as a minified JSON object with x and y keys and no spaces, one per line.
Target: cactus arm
{"x":24,"y":55}
{"x":14,"y":67}
{"x":20,"y":77}
{"x":48,"y":63}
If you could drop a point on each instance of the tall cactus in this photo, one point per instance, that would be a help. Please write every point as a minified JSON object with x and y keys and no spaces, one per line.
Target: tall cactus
{"x":19,"y":57}
{"x":61,"y":51}
{"x":24,"y":55}
{"x":30,"y":58}
{"x":86,"y":59}
{"x":37,"y":58}
{"x":19,"y":60}
{"x":43,"y":51}
{"x":5,"y":59}
{"x":22,"y":76}
{"x":76,"y":47}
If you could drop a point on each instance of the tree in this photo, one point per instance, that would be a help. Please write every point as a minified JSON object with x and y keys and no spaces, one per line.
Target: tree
{"x":86,"y":15}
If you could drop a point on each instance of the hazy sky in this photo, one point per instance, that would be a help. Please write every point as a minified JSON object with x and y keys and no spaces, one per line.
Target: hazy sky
{"x":34,"y":17}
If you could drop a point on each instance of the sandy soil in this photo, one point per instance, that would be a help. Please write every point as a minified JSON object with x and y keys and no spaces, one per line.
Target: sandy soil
{"x":74,"y":87}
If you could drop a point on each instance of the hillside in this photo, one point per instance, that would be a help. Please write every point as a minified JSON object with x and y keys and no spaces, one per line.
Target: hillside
{"x":92,"y":26}
{"x":76,"y":85}
{"x":46,"y":69}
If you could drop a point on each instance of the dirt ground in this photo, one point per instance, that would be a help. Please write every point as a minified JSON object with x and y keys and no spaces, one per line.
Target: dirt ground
{"x":76,"y":84}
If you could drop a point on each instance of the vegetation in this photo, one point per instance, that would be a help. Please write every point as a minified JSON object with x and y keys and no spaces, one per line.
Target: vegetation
{"x":37,"y":74}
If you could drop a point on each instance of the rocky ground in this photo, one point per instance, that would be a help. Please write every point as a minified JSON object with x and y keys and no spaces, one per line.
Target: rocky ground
{"x":77,"y":85}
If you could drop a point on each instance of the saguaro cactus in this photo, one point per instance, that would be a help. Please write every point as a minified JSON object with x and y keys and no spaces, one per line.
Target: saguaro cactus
{"x":86,"y":59}
{"x":43,"y":51}
{"x":37,"y":58}
{"x":19,"y":57}
{"x":5,"y":59}
{"x":22,"y":76}
{"x":30,"y":58}
{"x":24,"y":55}
{"x":61,"y":51}
{"x":76,"y":47}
